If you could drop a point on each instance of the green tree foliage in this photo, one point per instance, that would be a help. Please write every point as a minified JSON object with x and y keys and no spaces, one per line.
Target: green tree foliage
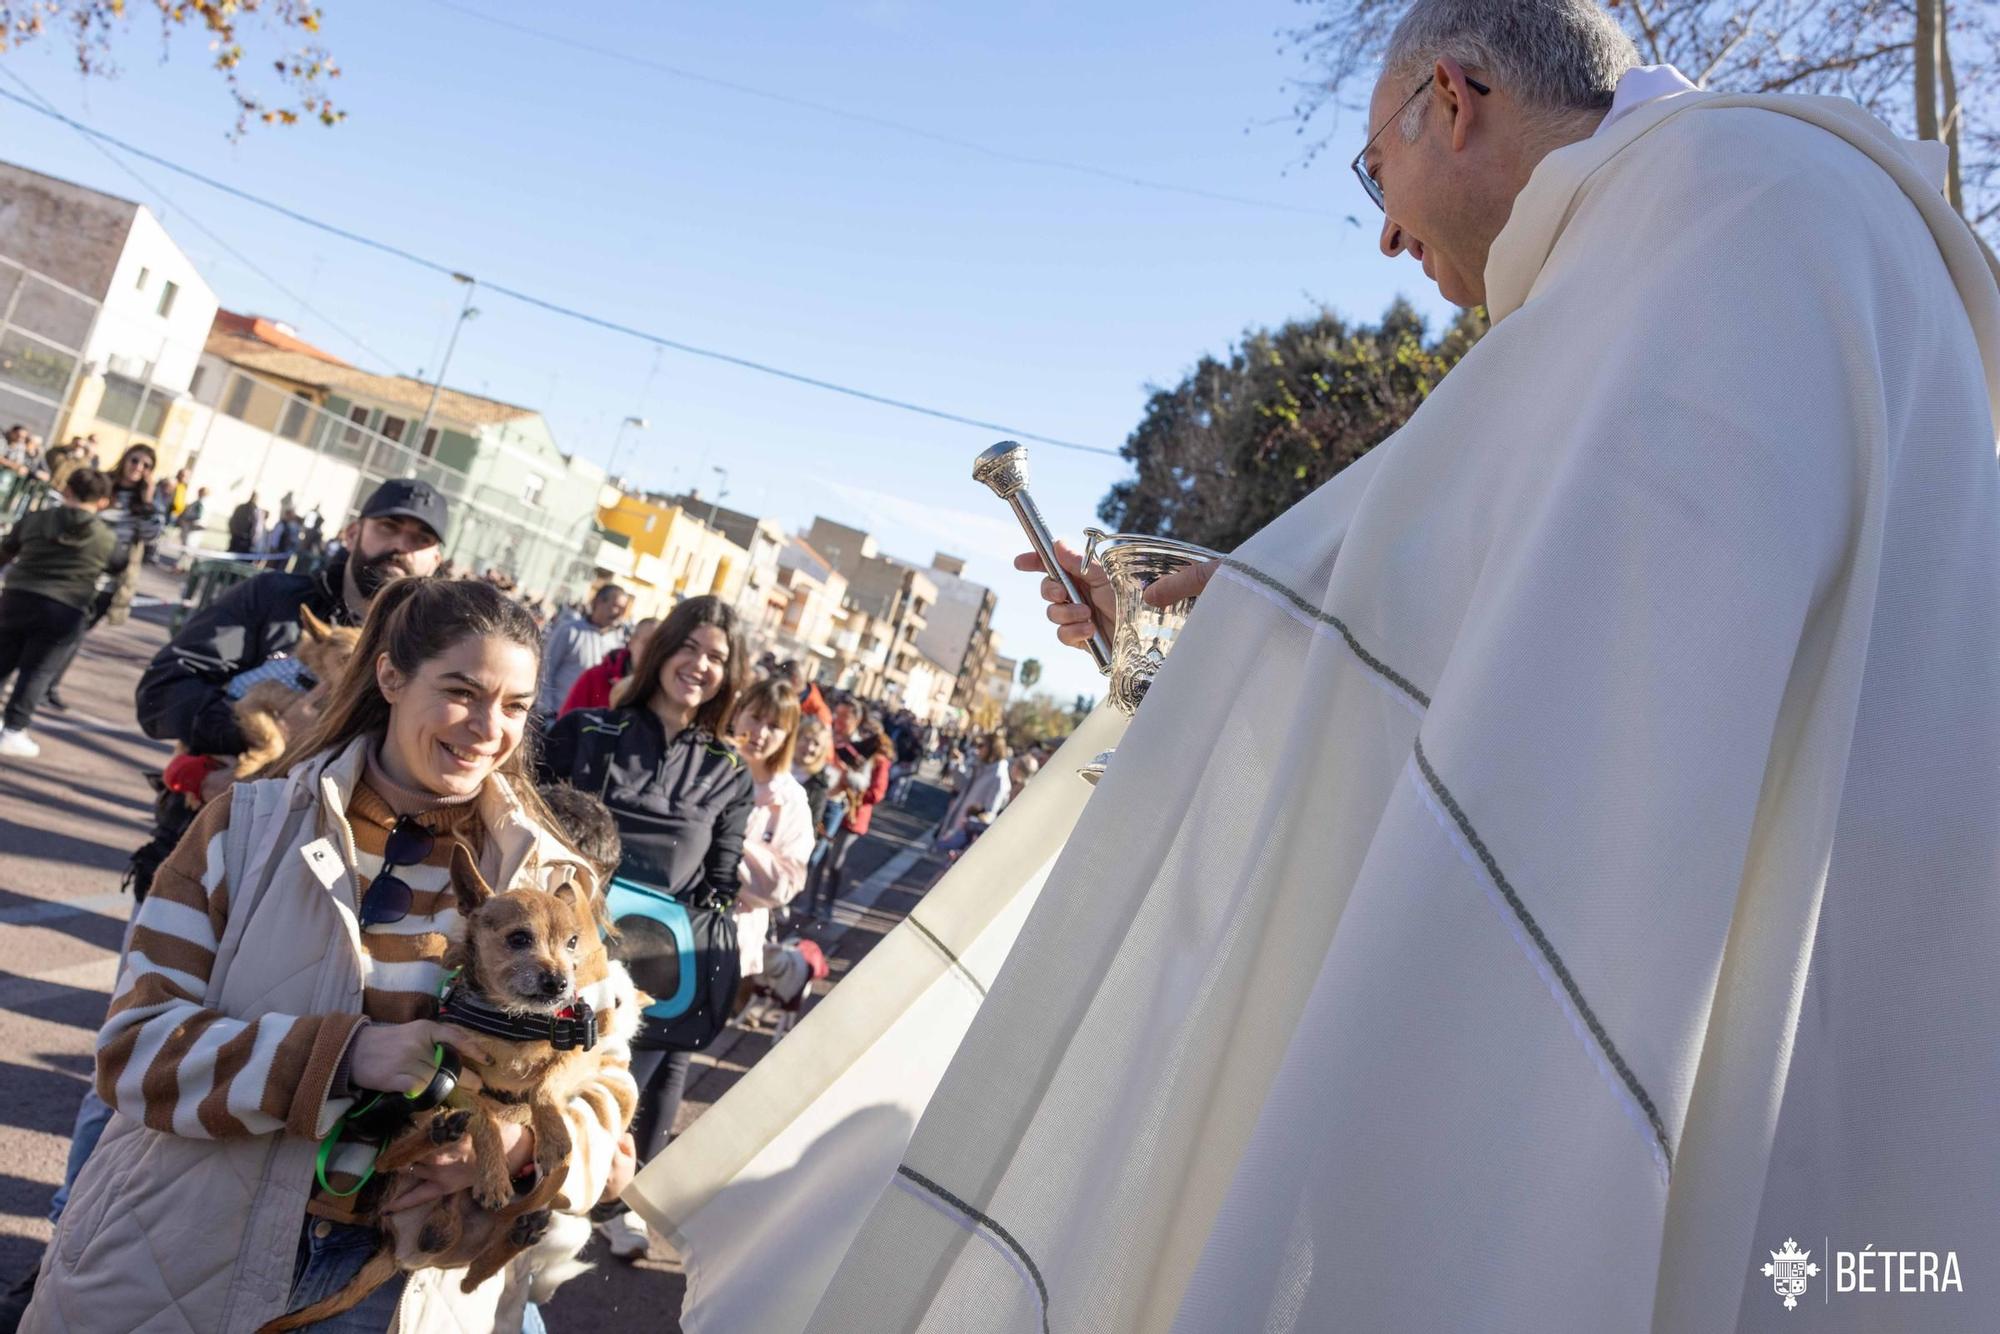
{"x":1035,"y":718}
{"x":1244,"y":437}
{"x":1031,"y":673}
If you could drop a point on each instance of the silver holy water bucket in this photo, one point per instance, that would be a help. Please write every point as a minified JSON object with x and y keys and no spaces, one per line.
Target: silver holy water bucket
{"x":1144,"y":633}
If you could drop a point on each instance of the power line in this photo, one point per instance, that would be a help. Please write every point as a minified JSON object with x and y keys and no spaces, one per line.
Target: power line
{"x":884,"y":122}
{"x":671,"y":344}
{"x":49,"y":107}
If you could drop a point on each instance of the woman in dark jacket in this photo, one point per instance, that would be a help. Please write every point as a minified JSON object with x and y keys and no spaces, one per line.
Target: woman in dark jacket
{"x":681,"y":797}
{"x":134,"y":525}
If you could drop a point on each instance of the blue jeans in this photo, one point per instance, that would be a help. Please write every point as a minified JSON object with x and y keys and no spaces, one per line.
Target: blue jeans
{"x":331,"y":1254}
{"x":325,"y":1266}
{"x":91,"y":1117}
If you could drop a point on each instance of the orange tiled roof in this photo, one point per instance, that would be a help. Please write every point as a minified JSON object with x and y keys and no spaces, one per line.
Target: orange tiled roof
{"x":259,"y":329}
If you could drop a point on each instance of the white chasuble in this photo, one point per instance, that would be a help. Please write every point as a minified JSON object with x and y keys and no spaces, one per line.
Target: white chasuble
{"x":1560,"y":863}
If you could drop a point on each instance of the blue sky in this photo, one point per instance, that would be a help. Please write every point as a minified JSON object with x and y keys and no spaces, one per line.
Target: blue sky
{"x":1041,"y":298}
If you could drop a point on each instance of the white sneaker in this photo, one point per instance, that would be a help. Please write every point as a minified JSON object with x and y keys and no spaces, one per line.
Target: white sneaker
{"x":18,"y":744}
{"x":626,"y":1235}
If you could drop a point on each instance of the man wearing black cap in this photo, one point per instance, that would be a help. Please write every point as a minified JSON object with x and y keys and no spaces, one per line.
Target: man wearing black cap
{"x":184,"y":696}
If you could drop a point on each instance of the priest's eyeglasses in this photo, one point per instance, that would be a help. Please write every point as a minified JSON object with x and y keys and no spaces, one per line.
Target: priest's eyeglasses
{"x":1360,"y":163}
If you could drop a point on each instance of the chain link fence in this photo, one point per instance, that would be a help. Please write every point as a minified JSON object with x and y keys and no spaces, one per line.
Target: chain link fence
{"x":43,"y":327}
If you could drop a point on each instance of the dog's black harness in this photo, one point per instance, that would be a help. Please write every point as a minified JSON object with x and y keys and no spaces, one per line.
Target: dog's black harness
{"x":572,"y":1027}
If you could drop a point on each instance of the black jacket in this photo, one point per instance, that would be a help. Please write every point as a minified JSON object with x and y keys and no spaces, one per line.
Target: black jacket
{"x":681,"y":804}
{"x":817,"y":786}
{"x":181,"y":695}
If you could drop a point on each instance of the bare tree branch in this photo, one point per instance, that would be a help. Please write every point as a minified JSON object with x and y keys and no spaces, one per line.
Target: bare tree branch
{"x":1830,"y":66}
{"x":302,"y":64}
{"x":1647,"y":32}
{"x":1729,"y":47}
{"x":1948,"y":104}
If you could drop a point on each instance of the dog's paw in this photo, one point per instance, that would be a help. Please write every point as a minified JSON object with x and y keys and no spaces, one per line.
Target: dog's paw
{"x":493,"y":1196}
{"x":450,"y":1128}
{"x":529,"y":1228}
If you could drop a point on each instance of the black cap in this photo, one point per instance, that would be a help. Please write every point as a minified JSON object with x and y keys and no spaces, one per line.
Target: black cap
{"x":409,"y":498}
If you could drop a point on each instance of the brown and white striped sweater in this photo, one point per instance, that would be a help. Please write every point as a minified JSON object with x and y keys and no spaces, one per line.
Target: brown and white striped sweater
{"x":178,"y":1067}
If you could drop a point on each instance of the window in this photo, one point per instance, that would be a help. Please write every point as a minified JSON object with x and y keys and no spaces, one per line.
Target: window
{"x":393,"y":428}
{"x":429,"y":448}
{"x":297,"y":413}
{"x":198,"y":382}
{"x":167,"y":295}
{"x":531,"y":490}
{"x":144,"y":274}
{"x":133,"y":405}
{"x":152,"y":414}
{"x":237,"y":404}
{"x":120,"y":404}
{"x":359,"y":416}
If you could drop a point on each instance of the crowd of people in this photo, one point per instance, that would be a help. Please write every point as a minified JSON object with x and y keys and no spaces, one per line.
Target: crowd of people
{"x":466,"y":748}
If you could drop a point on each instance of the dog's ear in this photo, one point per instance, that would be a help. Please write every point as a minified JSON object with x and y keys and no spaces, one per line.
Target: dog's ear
{"x":566,"y":891}
{"x":462,"y":954}
{"x":314,"y":627}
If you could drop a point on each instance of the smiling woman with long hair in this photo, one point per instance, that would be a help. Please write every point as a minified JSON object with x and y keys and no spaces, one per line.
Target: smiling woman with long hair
{"x":285,"y":967}
{"x":682,"y":797}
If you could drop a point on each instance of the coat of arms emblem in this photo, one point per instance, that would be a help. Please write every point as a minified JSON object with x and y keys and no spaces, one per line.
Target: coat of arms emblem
{"x":1789,"y":1271}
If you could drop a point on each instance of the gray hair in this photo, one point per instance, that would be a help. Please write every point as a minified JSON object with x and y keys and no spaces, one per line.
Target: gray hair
{"x":1560,"y":57}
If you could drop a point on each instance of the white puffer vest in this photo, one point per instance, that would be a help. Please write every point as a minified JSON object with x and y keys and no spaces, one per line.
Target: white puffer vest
{"x":172,"y":1235}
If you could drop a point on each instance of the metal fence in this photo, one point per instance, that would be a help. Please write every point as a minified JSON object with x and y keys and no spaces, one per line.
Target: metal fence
{"x":43,"y":327}
{"x":326,"y":461}
{"x":261,"y":436}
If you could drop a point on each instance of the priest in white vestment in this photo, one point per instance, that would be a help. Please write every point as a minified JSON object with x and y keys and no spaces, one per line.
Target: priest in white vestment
{"x":1554,"y":884}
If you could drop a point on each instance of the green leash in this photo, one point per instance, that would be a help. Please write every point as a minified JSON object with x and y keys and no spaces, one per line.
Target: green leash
{"x":420,"y":1100}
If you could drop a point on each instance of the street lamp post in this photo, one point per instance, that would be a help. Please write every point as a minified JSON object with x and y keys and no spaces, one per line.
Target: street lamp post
{"x":713,"y":502}
{"x":465,"y":312}
{"x":618,"y":443}
{"x":721,"y":491}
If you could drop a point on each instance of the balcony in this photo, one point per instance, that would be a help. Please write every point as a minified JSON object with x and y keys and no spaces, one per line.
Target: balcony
{"x":614,"y":557}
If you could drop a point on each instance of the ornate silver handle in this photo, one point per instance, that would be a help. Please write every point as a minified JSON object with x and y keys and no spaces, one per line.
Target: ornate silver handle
{"x":1004,"y":468}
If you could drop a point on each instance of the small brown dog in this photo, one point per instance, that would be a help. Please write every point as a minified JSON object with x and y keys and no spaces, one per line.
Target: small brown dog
{"x":270,"y":712}
{"x":516,"y":980}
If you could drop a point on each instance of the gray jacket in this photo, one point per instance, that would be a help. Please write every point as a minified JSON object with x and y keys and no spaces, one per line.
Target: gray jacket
{"x":572,"y":647}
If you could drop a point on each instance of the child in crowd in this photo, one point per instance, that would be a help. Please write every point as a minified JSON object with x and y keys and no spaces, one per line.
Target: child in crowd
{"x":778,"y":841}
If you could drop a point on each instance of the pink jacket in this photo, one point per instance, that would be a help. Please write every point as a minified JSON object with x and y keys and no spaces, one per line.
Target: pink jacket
{"x":776,"y":845}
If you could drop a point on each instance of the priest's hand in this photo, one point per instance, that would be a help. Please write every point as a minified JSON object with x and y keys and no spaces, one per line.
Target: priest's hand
{"x":1186,"y":582}
{"x":1073,"y":621}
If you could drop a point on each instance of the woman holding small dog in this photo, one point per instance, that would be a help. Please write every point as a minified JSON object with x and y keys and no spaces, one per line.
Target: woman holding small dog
{"x":285,"y":967}
{"x":682,"y":797}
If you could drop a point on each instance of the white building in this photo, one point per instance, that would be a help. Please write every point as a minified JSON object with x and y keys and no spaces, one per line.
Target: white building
{"x":958,"y":630}
{"x":102,"y":317}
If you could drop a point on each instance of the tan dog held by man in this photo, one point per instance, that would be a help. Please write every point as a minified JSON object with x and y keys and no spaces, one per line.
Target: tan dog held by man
{"x":272,"y":712}
{"x":516,"y":965}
